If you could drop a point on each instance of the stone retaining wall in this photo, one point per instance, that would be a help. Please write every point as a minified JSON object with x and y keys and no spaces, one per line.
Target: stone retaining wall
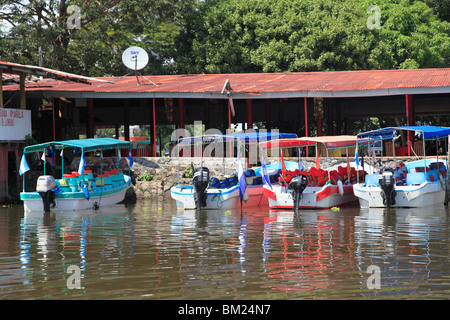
{"x":166,"y":172}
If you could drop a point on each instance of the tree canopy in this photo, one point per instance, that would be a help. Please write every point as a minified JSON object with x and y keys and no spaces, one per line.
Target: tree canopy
{"x":213,"y":36}
{"x":311,"y":35}
{"x":89,"y":39}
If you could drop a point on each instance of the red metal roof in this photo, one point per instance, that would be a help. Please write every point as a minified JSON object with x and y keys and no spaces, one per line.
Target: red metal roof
{"x":45,"y":72}
{"x":262,"y":85}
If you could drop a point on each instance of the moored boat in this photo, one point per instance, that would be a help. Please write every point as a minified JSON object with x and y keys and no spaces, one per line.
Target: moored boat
{"x":315,"y":188}
{"x":78,"y":190}
{"x":207,"y":192}
{"x":418,"y":183}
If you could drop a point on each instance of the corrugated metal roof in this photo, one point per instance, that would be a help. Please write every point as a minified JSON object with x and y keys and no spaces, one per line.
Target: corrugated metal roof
{"x":45,"y":72}
{"x":263,"y":85}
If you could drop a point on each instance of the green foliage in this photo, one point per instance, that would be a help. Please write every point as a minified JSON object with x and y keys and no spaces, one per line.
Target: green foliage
{"x":311,"y":35}
{"x":145,"y":177}
{"x":417,"y":37}
{"x":107,"y":27}
{"x":188,"y":172}
{"x":281,"y":35}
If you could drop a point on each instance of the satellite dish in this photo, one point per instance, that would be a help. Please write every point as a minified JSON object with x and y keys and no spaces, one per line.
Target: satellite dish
{"x":135,"y":58}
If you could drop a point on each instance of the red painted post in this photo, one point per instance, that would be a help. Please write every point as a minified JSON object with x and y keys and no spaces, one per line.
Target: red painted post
{"x":154,"y":127}
{"x":249,"y":114}
{"x":306,"y":121}
{"x":180,"y":113}
{"x":268,"y":124}
{"x":410,"y":120}
{"x":53,"y":119}
{"x":90,"y":128}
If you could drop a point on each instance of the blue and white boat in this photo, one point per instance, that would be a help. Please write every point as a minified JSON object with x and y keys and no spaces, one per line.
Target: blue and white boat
{"x":78,"y":190}
{"x":207,"y":192}
{"x":419,"y":183}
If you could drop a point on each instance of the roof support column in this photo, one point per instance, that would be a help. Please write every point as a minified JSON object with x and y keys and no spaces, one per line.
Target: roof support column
{"x":249,"y":114}
{"x":53,"y":119}
{"x":90,"y":118}
{"x":23,"y":104}
{"x":126,"y":119}
{"x":268,"y":125}
{"x":318,"y":108}
{"x":1,"y":88}
{"x":206,"y":114}
{"x":154,"y":127}
{"x":181,"y":113}
{"x":305,"y":106}
{"x":410,"y":120}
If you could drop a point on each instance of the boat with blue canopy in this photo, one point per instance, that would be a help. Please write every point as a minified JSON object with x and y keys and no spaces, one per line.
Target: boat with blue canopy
{"x":418,"y":183}
{"x":81,"y":189}
{"x":207,"y":192}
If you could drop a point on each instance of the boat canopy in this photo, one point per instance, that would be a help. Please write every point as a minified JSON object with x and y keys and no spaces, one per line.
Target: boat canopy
{"x":86,"y":145}
{"x":246,"y":136}
{"x":330,"y":142}
{"x":429,"y":132}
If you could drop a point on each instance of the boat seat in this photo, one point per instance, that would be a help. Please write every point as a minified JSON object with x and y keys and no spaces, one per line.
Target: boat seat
{"x":372,"y":180}
{"x":257,"y":181}
{"x":63,"y":183}
{"x":432,"y":175}
{"x":214,"y":183}
{"x":415,"y":178}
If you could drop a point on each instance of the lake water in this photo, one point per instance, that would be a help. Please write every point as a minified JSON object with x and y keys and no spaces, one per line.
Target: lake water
{"x":154,"y":251}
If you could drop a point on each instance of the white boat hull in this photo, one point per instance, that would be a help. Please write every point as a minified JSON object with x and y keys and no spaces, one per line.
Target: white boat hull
{"x":73,"y":201}
{"x":328,"y":196}
{"x":423,"y":195}
{"x":220,"y":198}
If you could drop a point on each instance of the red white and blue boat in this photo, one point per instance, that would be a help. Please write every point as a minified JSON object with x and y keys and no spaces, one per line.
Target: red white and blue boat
{"x":241,"y":189}
{"x":314,"y":188}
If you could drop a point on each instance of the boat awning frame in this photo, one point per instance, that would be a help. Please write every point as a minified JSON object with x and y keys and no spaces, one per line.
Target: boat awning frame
{"x":246,"y":136}
{"x":87,"y":145}
{"x":428,"y":132}
{"x":330,"y":142}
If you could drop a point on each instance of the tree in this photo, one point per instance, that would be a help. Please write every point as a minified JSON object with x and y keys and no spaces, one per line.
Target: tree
{"x":88,"y":37}
{"x":280,"y":35}
{"x":311,"y":35}
{"x":418,"y":38}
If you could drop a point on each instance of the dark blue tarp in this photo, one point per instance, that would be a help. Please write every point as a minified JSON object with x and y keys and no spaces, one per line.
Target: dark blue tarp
{"x":246,"y":136}
{"x":429,"y":132}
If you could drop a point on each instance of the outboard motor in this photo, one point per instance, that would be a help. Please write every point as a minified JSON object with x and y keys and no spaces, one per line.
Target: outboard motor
{"x":45,"y":185}
{"x":200,"y":182}
{"x":298,"y":184}
{"x":387,"y":185}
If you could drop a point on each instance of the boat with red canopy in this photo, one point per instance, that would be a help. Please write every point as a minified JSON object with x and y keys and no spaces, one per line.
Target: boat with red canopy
{"x":314,"y":188}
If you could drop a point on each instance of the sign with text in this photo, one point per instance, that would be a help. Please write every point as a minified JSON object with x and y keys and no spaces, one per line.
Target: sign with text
{"x":15,"y":124}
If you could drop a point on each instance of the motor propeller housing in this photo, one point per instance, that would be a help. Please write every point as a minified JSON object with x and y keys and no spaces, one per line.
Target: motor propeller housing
{"x":297,"y":185}
{"x":200,"y":182}
{"x":387,"y":184}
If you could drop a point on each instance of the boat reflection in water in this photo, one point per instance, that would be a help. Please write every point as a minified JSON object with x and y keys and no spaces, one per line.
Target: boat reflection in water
{"x":152,"y":252}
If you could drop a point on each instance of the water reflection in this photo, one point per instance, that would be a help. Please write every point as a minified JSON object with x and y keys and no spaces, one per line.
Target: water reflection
{"x":154,"y":251}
